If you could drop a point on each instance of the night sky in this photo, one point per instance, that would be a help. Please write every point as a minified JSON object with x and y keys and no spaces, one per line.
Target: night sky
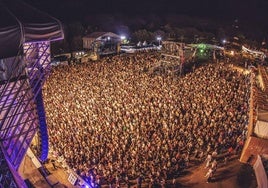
{"x":256,"y":10}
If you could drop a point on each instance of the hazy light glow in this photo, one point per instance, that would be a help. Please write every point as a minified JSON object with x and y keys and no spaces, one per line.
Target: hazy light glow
{"x":159,"y":40}
{"x":202,"y":46}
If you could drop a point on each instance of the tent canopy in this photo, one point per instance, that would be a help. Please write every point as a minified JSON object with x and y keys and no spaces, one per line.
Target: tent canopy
{"x":102,"y":35}
{"x":21,"y":23}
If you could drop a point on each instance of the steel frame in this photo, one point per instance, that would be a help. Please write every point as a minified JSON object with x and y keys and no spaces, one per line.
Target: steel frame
{"x":19,"y":119}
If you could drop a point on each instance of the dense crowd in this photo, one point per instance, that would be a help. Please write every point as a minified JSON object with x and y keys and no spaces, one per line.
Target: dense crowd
{"x":112,"y":120}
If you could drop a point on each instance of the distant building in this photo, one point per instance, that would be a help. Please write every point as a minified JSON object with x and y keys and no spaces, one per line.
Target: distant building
{"x":102,"y":43}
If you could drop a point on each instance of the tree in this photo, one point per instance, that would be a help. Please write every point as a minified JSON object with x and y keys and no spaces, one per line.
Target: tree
{"x":159,"y":33}
{"x":221,"y":34}
{"x":59,"y":47}
{"x":142,"y":35}
{"x":77,"y":43}
{"x":75,"y":30}
{"x":170,"y":31}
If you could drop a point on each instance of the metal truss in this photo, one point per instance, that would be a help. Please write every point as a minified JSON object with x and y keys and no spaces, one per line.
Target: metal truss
{"x":19,"y":114}
{"x":6,"y":177}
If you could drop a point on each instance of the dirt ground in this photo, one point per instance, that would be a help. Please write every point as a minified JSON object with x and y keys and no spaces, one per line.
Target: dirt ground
{"x":226,"y":176}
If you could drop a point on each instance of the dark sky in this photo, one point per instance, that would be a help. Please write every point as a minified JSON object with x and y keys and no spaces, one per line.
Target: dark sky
{"x":247,"y":9}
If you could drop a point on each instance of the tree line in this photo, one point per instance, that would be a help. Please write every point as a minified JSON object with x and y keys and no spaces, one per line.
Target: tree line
{"x":170,"y":27}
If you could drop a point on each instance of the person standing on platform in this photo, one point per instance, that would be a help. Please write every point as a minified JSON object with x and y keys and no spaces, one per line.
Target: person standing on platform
{"x":53,"y":164}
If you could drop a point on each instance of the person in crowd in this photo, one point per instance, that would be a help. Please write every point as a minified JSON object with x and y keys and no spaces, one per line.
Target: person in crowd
{"x":214,"y":166}
{"x":209,"y":175}
{"x":208,"y":160}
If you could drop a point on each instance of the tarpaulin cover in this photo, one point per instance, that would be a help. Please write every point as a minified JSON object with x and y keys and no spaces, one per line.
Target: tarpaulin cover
{"x":20,"y":23}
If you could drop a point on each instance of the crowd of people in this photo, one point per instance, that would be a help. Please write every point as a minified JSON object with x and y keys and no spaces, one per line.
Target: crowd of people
{"x":113,"y":121}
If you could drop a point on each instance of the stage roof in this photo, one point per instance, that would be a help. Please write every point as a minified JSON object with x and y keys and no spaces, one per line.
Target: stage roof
{"x":99,"y":35}
{"x":20,"y":23}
